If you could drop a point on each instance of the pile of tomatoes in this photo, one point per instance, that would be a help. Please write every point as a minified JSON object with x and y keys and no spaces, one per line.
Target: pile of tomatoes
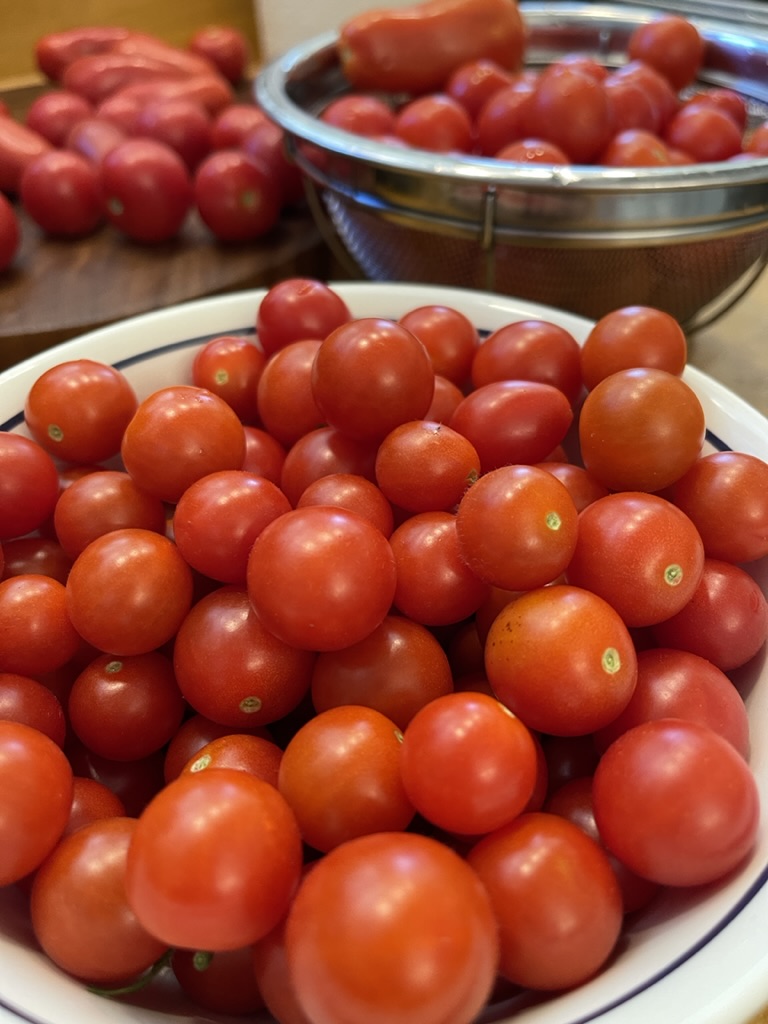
{"x":366,"y":672}
{"x":647,"y":112}
{"x":139,"y":133}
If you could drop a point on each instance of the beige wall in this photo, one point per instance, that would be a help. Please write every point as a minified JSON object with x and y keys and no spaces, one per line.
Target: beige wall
{"x":22,"y":22}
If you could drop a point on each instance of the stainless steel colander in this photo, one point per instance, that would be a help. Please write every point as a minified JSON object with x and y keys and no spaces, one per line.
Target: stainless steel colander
{"x":687,"y":239}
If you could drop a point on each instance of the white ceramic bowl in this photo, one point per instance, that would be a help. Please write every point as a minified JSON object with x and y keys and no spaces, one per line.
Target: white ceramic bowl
{"x":697,"y":958}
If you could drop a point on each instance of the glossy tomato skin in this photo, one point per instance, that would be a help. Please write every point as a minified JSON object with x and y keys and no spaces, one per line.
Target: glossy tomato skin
{"x":102,"y":501}
{"x":321,"y":578}
{"x":538,"y":550}
{"x":725,"y":494}
{"x":23,"y":699}
{"x":244,"y":751}
{"x":79,"y":911}
{"x":639,"y":552}
{"x":571,"y":109}
{"x":297,"y":308}
{"x":179,"y":434}
{"x":726,"y":620}
{"x":513,"y":421}
{"x":126,"y":708}
{"x":641,"y":403}
{"x":237,"y":197}
{"x":588,"y":673}
{"x":35,"y":798}
{"x":129,"y":591}
{"x":219,"y":516}
{"x":487,"y":761}
{"x":371,"y":375}
{"x":182,"y":124}
{"x":450,"y":338}
{"x":147,"y":190}
{"x":29,"y":485}
{"x":231,"y":669}
{"x":659,"y":771}
{"x":340,"y":775}
{"x":231,"y":366}
{"x":629,"y":337}
{"x":190,"y":889}
{"x":37,"y":634}
{"x":61,"y":192}
{"x":679,"y":684}
{"x":352,"y":492}
{"x":436,"y":122}
{"x":284,"y":399}
{"x":391,"y":927}
{"x":321,"y":452}
{"x":435,"y":586}
{"x":555,"y":896}
{"x":79,"y":409}
{"x":223,"y":982}
{"x":225,"y":47}
{"x":397,"y":669}
{"x":672,"y":45}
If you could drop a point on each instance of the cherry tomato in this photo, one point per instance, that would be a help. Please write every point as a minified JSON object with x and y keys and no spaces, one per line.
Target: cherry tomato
{"x":487,"y":758}
{"x":219,"y":516}
{"x":540,"y":547}
{"x":29,"y":485}
{"x":351,"y":492}
{"x":54,"y":112}
{"x":243,"y":751}
{"x":652,"y":771}
{"x":92,"y":801}
{"x":79,"y":911}
{"x":704,"y":132}
{"x":238,"y":198}
{"x":436,"y":122}
{"x":581,"y":485}
{"x":35,"y":798}
{"x":504,"y":117}
{"x":36,"y":631}
{"x":264,"y":456}
{"x":147,"y":190}
{"x":190,"y":889}
{"x":569,"y":107}
{"x":361,"y":114}
{"x":126,"y":708}
{"x":672,"y":45}
{"x":423,"y":466}
{"x":128,"y":591}
{"x":642,"y":538}
{"x":679,"y":684}
{"x":61,"y":192}
{"x":644,"y":402}
{"x":513,"y":421}
{"x":225,"y":47}
{"x":450,"y":338}
{"x":321,"y":452}
{"x":555,"y":897}
{"x":399,"y":668}
{"x":474,"y":82}
{"x":26,"y":700}
{"x":588,"y":673}
{"x":629,"y":337}
{"x":100,"y":502}
{"x":231,"y":366}
{"x":194,"y":733}
{"x":530,"y":350}
{"x":725,"y":621}
{"x":298,"y":308}
{"x":265,"y":143}
{"x":259,"y":679}
{"x":725,"y":494}
{"x":284,"y":398}
{"x":340,"y":775}
{"x":79,"y":409}
{"x":435,"y":586}
{"x":425,"y":924}
{"x":630,"y":106}
{"x":179,"y":434}
{"x":369,"y":376}
{"x":321,"y":578}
